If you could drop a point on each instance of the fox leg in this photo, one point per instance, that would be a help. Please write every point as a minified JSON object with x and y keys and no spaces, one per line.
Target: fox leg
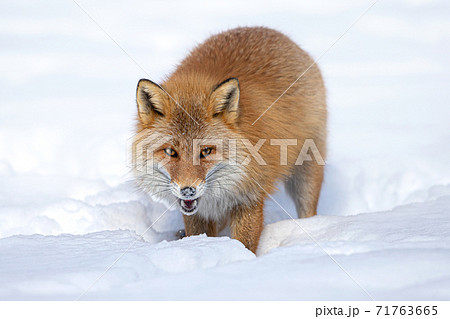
{"x":304,"y":187}
{"x":246,"y":225}
{"x":195,"y":225}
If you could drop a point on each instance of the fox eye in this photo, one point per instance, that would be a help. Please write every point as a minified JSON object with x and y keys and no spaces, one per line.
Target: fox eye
{"x":205,"y":152}
{"x":170,"y":152}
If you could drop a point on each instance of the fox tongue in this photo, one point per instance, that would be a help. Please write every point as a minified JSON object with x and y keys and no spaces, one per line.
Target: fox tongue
{"x":188,"y":206}
{"x":188,"y":203}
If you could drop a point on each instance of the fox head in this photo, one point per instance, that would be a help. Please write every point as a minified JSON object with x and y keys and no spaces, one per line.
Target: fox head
{"x":186,"y":132}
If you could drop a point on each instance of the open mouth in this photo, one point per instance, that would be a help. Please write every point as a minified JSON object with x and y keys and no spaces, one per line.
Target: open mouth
{"x":188,"y":207}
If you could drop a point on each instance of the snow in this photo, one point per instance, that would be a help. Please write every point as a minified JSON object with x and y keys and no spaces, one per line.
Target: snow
{"x":69,"y":210}
{"x":387,"y":260}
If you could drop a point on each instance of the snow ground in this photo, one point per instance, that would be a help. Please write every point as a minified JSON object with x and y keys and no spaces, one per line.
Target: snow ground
{"x":68,"y":209}
{"x":388,"y":261}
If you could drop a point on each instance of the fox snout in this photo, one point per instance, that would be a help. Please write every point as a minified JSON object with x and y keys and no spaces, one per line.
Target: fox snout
{"x":188,"y":191}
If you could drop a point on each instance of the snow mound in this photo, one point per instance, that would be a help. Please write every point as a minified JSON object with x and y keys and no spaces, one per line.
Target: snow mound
{"x":408,"y":226}
{"x":399,"y":254}
{"x":64,"y":266}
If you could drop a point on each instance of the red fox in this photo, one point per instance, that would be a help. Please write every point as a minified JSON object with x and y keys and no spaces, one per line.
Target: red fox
{"x":225,"y":90}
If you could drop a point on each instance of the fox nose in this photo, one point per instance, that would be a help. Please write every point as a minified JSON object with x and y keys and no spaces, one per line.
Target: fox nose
{"x":188,"y":191}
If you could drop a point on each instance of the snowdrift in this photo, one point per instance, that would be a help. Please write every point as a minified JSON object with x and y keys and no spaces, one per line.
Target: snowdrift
{"x":398,"y":254}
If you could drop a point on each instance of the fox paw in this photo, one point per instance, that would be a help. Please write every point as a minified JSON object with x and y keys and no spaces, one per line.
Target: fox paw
{"x":181,"y":234}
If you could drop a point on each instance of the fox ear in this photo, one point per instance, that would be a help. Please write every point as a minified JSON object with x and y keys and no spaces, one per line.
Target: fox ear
{"x":225,"y":100}
{"x":150,"y":100}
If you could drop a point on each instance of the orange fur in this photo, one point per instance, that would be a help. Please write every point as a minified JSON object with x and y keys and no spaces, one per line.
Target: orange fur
{"x":265,"y":63}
